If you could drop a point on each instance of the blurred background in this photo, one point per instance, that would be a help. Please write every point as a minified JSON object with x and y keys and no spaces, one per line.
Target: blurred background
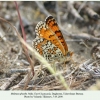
{"x":78,"y":21}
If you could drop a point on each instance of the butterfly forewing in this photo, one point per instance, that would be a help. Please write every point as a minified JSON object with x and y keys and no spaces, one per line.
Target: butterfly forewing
{"x":43,"y":31}
{"x":52,"y":24}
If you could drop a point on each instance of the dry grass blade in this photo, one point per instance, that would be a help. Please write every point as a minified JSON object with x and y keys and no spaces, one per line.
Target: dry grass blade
{"x":24,"y":47}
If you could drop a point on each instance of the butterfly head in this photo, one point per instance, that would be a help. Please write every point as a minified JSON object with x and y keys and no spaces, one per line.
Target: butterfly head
{"x":69,"y":56}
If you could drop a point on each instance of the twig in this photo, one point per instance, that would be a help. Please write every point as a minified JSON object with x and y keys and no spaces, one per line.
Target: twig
{"x":22,"y":27}
{"x":11,"y":71}
{"x":42,"y":8}
{"x":5,"y":85}
{"x":80,"y":36}
{"x":47,"y":78}
{"x":90,"y":68}
{"x":24,"y":81}
{"x":74,"y":11}
{"x":57,"y":11}
{"x":92,"y":14}
{"x":79,"y":9}
{"x":24,"y":47}
{"x":88,"y":11}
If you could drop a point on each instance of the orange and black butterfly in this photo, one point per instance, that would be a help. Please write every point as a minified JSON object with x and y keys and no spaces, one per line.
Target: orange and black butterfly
{"x":49,"y":41}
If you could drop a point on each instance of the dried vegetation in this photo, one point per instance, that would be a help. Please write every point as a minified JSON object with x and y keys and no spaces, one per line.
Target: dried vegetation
{"x":80,"y":25}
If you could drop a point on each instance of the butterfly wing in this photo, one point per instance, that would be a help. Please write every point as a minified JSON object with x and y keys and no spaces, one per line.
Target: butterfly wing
{"x":46,"y":31}
{"x":48,"y":50}
{"x":53,"y":26}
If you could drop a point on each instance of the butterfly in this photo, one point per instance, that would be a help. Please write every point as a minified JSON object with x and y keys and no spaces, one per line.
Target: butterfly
{"x":49,"y":41}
